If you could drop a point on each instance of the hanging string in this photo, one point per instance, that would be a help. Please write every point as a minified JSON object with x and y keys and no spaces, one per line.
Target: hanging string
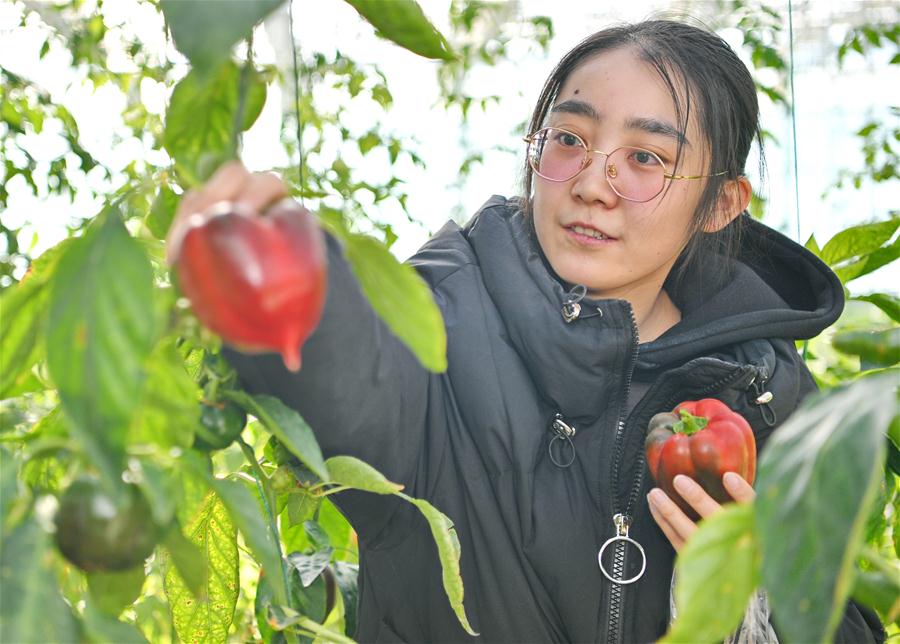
{"x":794,"y":136}
{"x":297,"y":102}
{"x":794,"y":118}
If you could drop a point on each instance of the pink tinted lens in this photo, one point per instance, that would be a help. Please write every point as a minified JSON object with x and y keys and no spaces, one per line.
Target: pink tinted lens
{"x":556,"y":155}
{"x":635,"y":174}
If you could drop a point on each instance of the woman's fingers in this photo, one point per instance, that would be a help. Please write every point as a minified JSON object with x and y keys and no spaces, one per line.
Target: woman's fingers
{"x":226,"y":184}
{"x":739,"y":489}
{"x":232,"y":182}
{"x":669,"y":517}
{"x":695,"y":495}
{"x":260,"y":191}
{"x":675,"y":524}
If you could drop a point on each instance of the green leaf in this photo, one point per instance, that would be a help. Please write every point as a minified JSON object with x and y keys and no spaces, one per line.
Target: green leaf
{"x":709,"y":604}
{"x":813,"y":246}
{"x":25,"y":308}
{"x":245,"y":512}
{"x":878,"y":348}
{"x":317,"y":535}
{"x":400,"y":296}
{"x":167,"y":411}
{"x":818,"y":476}
{"x":347,"y":576}
{"x":32,"y":609}
{"x":208,"y":617}
{"x":879,"y":587}
{"x":101,"y":628}
{"x":112,"y":592}
{"x":9,"y":485}
{"x":24,"y":312}
{"x":368,"y":141}
{"x":888,"y":303}
{"x":301,"y":506}
{"x":309,"y":601}
{"x":449,"y":552}
{"x":340,"y":533}
{"x":206,"y":30}
{"x":162,"y":212}
{"x":352,"y":472}
{"x":201,"y":115}
{"x":403,"y":22}
{"x":858,"y":240}
{"x":189,"y":561}
{"x":868,"y":263}
{"x":157,"y":486}
{"x":287,"y":426}
{"x":309,"y":567}
{"x":283,"y":617}
{"x":99,"y":332}
{"x":894,"y":431}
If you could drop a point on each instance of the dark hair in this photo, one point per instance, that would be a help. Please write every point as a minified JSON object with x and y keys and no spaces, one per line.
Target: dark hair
{"x":703,"y":75}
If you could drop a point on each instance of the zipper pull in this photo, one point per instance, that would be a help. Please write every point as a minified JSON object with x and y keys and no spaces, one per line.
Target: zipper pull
{"x":623,"y":525}
{"x":762,"y":398}
{"x":571,"y":308}
{"x":562,"y":431}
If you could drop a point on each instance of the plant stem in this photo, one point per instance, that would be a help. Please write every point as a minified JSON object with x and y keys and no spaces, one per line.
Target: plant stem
{"x":262,"y":483}
{"x":339,"y":488}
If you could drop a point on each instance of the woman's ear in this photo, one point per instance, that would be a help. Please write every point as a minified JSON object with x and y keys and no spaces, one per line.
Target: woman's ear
{"x":733,"y":200}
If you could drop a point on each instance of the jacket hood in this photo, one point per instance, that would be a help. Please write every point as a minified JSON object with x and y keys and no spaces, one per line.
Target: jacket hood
{"x":775,"y":288}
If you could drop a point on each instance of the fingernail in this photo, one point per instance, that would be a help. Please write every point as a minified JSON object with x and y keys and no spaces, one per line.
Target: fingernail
{"x":682,"y":483}
{"x":731,"y":479}
{"x":655,"y":496}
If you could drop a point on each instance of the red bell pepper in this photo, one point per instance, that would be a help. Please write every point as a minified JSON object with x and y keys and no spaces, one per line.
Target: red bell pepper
{"x":702,"y":439}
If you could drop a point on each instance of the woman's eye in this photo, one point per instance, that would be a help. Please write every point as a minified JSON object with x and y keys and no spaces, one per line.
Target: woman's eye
{"x":566,"y":139}
{"x":642,"y":157}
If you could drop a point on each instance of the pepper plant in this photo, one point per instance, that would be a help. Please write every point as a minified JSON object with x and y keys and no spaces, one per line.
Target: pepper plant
{"x":114,"y":396}
{"x":138,"y":402}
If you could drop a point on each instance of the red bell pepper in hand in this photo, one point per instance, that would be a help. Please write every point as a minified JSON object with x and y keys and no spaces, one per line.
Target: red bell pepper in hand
{"x":701,"y":439}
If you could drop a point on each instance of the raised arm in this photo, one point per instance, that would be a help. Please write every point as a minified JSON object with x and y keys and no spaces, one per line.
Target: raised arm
{"x":359,"y":388}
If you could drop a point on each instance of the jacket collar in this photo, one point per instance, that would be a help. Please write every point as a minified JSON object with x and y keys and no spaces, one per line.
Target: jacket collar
{"x":775,"y":289}
{"x":575,"y":365}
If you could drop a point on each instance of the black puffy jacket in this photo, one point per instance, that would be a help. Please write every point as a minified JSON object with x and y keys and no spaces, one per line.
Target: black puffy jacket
{"x":474,"y":440}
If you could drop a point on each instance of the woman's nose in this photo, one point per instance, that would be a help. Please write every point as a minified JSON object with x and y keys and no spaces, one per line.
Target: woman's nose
{"x":591,"y":185}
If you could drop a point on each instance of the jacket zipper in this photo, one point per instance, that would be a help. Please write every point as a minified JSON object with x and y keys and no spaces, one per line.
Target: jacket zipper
{"x":620,"y":518}
{"x":615,"y":607}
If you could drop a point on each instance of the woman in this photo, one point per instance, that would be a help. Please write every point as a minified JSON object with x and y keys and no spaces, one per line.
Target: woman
{"x":626,"y":278}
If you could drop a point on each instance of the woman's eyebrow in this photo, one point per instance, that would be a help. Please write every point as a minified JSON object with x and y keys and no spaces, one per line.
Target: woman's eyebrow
{"x":656,"y":126}
{"x":574,"y":106}
{"x":643,"y":123}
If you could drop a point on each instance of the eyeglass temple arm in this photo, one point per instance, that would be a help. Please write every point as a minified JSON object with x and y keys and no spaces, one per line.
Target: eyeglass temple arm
{"x":699,"y":176}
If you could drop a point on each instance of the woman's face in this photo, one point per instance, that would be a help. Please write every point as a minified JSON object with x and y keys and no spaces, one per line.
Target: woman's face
{"x":612,"y":100}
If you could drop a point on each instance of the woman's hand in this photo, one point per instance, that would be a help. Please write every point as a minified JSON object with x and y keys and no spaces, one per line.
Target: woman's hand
{"x":249,"y":192}
{"x":674,"y":523}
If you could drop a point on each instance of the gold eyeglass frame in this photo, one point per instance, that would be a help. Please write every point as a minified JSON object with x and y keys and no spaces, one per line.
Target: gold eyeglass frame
{"x":609,"y":173}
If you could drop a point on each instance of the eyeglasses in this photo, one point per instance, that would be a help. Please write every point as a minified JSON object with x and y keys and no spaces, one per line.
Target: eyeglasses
{"x":635,"y":174}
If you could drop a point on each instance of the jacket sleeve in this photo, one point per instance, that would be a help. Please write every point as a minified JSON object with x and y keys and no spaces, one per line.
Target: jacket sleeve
{"x":359,"y":388}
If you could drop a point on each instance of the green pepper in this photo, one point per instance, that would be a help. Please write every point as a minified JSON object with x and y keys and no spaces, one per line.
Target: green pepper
{"x":97,"y":531}
{"x":220,"y":424}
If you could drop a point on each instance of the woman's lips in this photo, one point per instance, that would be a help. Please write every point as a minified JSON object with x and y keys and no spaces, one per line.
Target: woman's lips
{"x":587,"y":235}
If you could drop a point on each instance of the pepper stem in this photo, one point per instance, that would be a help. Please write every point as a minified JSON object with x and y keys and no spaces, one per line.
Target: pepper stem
{"x":689,"y":424}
